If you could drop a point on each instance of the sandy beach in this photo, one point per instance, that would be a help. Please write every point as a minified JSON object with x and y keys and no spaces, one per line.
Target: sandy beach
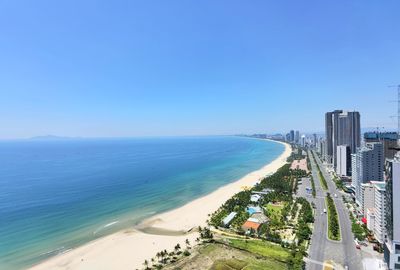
{"x":129,"y":248}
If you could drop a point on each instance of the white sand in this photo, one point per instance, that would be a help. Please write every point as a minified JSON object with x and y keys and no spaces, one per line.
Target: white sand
{"x":128,"y":249}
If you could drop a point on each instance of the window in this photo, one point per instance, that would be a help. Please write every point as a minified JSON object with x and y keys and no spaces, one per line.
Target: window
{"x":397,"y":249}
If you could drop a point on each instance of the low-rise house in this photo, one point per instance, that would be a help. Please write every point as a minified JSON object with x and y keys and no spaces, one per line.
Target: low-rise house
{"x":250,"y":226}
{"x":228,"y":219}
{"x":265,"y":191}
{"x":254,"y":223}
{"x":255,"y":198}
{"x":259,"y":218}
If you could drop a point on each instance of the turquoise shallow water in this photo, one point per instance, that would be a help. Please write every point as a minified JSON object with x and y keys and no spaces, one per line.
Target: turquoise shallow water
{"x":56,"y":195}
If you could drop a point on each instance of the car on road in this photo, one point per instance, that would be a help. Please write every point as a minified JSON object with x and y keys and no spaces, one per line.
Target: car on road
{"x":324,"y":211}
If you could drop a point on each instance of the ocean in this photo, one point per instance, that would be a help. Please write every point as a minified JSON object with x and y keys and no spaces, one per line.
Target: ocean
{"x":58,"y":194}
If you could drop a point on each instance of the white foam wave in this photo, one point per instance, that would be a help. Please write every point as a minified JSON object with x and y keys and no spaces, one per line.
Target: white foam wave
{"x":105,"y":226}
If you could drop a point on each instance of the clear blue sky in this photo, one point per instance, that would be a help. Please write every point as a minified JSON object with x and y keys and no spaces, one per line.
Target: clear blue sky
{"x":134,"y":68}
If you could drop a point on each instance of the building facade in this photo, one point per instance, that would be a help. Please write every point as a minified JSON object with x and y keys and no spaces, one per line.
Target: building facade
{"x":343,"y":167}
{"x":292,"y":136}
{"x":388,"y":139}
{"x":368,"y":165}
{"x":379,"y":211}
{"x":341,"y":128}
{"x":297,"y":137}
{"x":392,"y":213}
{"x":367,"y":198}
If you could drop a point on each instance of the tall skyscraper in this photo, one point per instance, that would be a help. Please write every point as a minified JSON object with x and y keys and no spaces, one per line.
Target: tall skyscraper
{"x":315,"y":140}
{"x":292,"y":135}
{"x":297,"y":137}
{"x":392,"y":215}
{"x":369,"y":166}
{"x":341,"y":128}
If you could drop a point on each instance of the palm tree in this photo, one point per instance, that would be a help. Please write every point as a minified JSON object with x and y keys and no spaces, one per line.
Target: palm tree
{"x":187,"y":243}
{"x":162,"y":255}
{"x":146,"y":264}
{"x":177,"y":247}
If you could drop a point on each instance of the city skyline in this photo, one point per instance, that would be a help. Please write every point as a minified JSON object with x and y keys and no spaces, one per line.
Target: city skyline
{"x":198,"y":69}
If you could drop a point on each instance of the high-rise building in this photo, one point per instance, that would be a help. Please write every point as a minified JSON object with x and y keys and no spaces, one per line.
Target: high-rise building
{"x":379,"y":211}
{"x":367,"y":198}
{"x":389,"y":140}
{"x":303,"y":140}
{"x":322,"y":147}
{"x":368,"y":165}
{"x":343,"y":167}
{"x":297,"y":137}
{"x":288,"y":137}
{"x":292,"y":135}
{"x":315,"y":140}
{"x":371,"y":219}
{"x":329,"y":135}
{"x":341,"y":128}
{"x":392,"y":215}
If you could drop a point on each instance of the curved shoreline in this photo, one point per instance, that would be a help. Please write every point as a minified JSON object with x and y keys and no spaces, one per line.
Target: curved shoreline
{"x":128,"y":249}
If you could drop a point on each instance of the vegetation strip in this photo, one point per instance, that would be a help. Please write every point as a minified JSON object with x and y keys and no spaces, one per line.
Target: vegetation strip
{"x":314,"y":193}
{"x":333,"y":220}
{"x":322,"y":179}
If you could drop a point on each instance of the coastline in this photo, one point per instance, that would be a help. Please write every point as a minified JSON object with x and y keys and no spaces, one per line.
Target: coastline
{"x":129,"y":248}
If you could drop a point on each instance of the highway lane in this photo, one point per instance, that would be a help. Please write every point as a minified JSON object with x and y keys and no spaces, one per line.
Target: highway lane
{"x":319,"y":239}
{"x":343,"y":252}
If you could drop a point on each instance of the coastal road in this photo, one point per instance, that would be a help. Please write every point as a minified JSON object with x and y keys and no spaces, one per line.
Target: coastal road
{"x":341,"y":253}
{"x":319,"y":240}
{"x":344,"y":252}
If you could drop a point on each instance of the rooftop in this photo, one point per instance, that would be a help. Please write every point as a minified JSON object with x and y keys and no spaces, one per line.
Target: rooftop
{"x":251,"y":225}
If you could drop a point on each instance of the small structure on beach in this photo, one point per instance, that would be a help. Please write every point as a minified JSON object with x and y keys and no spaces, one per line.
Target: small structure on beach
{"x":228,"y":219}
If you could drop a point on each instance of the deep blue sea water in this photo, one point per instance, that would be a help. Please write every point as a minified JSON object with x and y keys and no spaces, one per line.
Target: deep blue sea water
{"x":58,"y":194}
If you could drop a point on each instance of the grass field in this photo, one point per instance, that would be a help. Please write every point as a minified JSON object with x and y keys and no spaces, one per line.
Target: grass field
{"x":262,"y":248}
{"x":275,"y":213}
{"x":217,"y":256}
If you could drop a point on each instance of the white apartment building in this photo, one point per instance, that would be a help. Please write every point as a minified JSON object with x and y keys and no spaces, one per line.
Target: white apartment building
{"x":368,"y":166}
{"x":392,"y":216}
{"x":343,"y":160}
{"x":379,"y":211}
{"x":367,"y":198}
{"x":371,"y":219}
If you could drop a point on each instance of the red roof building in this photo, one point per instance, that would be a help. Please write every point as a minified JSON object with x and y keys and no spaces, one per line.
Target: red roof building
{"x":249,"y":225}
